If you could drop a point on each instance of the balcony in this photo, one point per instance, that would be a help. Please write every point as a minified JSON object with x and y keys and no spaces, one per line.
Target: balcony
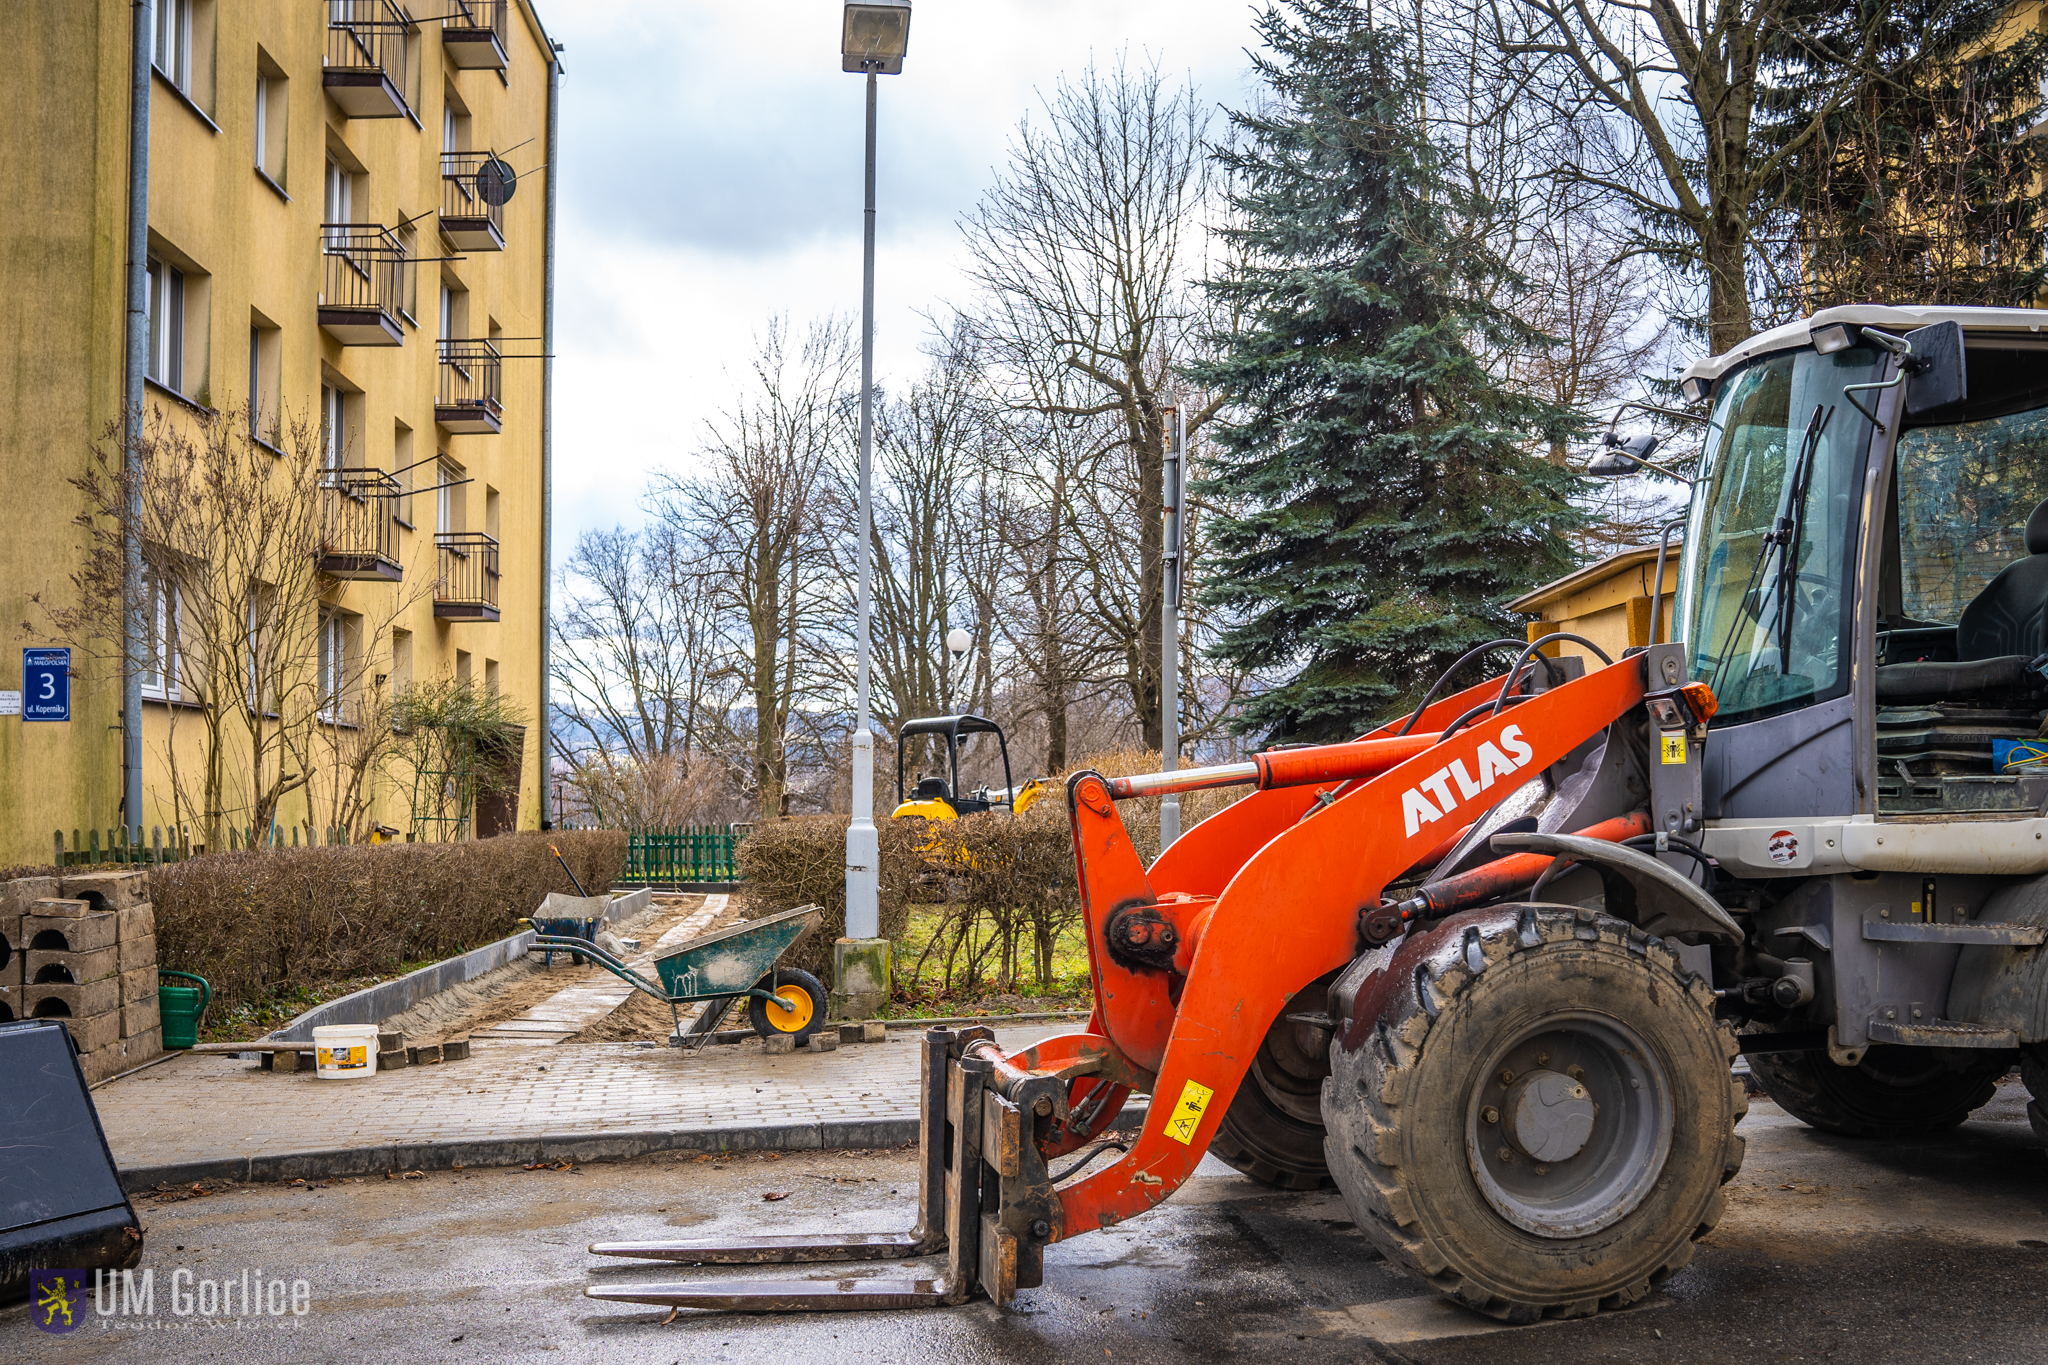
{"x":364,"y":66}
{"x":358,"y":527}
{"x":466,"y":400}
{"x":363,"y":278}
{"x":473,"y":34}
{"x":468,"y":220}
{"x":467,"y":589}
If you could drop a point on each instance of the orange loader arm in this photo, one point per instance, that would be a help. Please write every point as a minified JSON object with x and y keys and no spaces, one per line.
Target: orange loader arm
{"x":1193,"y":961}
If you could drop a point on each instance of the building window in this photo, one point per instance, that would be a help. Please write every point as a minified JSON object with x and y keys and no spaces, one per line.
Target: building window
{"x":174,"y":42}
{"x":401,"y":662}
{"x":265,"y":402}
{"x":447,"y":498}
{"x":490,"y":675}
{"x":160,"y":664}
{"x":334,"y":431}
{"x":273,"y":113}
{"x":166,"y":304}
{"x":409,"y":478}
{"x":332,"y":664}
{"x":340,"y":201}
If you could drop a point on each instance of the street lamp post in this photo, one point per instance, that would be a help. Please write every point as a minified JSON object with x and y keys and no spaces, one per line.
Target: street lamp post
{"x":872,"y":43}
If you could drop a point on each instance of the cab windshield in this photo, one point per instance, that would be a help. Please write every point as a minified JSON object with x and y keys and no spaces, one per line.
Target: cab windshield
{"x":1772,"y":531}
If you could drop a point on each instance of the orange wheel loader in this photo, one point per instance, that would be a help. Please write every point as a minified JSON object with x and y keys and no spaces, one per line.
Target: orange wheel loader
{"x":1487,"y":967}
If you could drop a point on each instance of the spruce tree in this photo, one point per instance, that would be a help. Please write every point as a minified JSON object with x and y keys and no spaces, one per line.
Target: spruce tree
{"x":1385,"y":493}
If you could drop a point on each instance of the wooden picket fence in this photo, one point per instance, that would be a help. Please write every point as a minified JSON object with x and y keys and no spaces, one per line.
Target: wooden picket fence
{"x":666,"y":856}
{"x":125,"y":849}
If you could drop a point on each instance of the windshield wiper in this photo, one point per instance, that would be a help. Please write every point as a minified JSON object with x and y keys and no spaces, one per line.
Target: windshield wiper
{"x":1793,"y":529}
{"x":1786,"y":529}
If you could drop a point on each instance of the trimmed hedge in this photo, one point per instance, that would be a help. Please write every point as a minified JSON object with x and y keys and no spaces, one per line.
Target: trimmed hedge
{"x":802,"y":861}
{"x":256,"y":925}
{"x":1005,"y":884}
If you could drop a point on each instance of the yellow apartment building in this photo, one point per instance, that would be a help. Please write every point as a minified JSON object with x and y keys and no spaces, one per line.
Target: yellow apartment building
{"x":348,"y":243}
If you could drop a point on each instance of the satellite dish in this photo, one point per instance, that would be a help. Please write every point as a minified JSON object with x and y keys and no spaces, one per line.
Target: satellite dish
{"x":495,"y":181}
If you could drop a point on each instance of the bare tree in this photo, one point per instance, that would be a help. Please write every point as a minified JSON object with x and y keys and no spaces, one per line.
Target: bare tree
{"x":1658,"y":107}
{"x":229,"y":531}
{"x":765,"y":511}
{"x":1085,"y":250}
{"x":644,"y":693}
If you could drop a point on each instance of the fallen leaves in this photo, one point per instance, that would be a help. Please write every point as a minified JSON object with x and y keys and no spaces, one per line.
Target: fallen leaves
{"x":773,"y":1196}
{"x":405,"y":1175}
{"x":550,"y":1166}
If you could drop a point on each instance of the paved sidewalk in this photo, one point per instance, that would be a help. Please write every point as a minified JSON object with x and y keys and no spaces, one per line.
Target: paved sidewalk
{"x":213,"y":1115}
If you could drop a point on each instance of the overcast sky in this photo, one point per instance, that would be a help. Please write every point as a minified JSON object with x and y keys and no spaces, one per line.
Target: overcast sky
{"x":711,"y":179}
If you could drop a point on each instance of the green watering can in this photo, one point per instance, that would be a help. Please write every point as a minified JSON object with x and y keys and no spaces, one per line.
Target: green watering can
{"x":181,"y":1007}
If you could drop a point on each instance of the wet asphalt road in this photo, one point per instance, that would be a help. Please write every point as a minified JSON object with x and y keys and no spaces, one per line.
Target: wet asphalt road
{"x":1832,"y":1250}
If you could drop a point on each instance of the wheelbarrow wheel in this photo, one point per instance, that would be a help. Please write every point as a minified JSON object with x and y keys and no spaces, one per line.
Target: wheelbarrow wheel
{"x":799,"y":1010}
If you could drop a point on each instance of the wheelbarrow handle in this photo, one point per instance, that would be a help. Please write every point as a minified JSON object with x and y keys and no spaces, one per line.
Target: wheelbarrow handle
{"x":602,"y":959}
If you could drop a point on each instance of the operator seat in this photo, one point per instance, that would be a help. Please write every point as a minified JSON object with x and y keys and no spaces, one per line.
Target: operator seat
{"x":2004,"y":629}
{"x":931,"y":789}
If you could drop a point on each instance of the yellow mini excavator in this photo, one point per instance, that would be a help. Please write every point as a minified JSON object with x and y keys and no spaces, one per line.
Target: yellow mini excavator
{"x":936,"y":798}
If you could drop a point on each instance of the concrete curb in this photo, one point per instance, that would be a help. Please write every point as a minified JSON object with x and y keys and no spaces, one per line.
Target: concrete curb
{"x":384,"y":1158}
{"x":375,"y":1004}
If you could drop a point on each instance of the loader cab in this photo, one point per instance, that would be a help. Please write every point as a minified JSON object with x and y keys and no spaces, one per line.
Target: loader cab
{"x":937,"y":798}
{"x":1865,"y":575}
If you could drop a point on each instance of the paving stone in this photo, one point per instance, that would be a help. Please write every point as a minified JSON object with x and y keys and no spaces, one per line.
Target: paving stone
{"x":138,"y":954}
{"x":823,"y":1042}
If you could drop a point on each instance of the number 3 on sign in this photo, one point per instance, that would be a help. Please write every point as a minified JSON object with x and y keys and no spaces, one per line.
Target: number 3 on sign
{"x":1180,"y":1125}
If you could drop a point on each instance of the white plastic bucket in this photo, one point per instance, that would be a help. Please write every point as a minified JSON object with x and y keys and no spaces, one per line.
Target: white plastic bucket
{"x":344,"y":1052}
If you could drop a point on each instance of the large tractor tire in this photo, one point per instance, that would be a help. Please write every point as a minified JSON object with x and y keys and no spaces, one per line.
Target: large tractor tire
{"x":1894,"y":1092}
{"x":1531,"y":1109}
{"x":1273,"y":1130}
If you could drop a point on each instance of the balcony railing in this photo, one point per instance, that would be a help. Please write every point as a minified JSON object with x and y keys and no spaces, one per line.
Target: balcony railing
{"x":466,"y":401}
{"x":467,"y":589}
{"x":473,"y":34}
{"x":365,"y":66}
{"x":363,"y":284}
{"x":358,"y":526}
{"x":468,"y":220}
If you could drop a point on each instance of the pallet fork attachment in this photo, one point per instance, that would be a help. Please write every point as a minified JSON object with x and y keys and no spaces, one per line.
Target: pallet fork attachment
{"x":984,"y":1198}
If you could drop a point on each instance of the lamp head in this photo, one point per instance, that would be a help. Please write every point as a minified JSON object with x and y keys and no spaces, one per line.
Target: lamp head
{"x":875,"y":36}
{"x":958,"y":641}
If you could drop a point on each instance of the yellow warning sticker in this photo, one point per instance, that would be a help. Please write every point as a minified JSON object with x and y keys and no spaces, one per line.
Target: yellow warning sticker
{"x":1674,"y":748}
{"x":1180,"y":1125}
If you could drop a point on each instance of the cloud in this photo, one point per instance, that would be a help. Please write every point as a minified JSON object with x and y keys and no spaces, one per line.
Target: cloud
{"x":711,"y":180}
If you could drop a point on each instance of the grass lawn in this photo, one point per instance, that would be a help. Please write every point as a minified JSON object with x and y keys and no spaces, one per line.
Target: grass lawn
{"x":926,"y":995}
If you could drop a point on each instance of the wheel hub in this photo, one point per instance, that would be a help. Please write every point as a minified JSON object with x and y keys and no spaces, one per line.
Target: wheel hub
{"x":1568,"y":1126}
{"x":1549,"y":1116}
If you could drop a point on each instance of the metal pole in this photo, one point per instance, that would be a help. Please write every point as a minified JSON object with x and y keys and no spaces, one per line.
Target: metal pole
{"x":863,"y":844}
{"x":1169,"y":626}
{"x":548,"y":810}
{"x":132,"y":606}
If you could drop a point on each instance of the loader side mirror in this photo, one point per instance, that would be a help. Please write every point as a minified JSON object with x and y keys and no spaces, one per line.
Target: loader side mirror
{"x":1619,"y":458}
{"x":1940,"y":372}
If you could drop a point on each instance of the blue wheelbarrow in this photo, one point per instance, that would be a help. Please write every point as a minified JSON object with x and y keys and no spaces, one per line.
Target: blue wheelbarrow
{"x":720,"y":969}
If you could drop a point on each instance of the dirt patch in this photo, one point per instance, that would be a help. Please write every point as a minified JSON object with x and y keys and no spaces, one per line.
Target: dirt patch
{"x":518,"y":986}
{"x":643,"y":1018}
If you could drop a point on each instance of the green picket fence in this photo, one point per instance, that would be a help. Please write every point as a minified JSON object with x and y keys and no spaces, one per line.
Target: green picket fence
{"x":123,"y":848}
{"x":664,"y":856}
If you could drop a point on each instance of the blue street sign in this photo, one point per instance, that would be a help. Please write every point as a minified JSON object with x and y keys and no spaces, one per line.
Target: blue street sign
{"x":46,"y":684}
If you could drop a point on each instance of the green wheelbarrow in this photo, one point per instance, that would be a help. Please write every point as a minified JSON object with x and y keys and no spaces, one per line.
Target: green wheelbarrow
{"x":722,"y":968}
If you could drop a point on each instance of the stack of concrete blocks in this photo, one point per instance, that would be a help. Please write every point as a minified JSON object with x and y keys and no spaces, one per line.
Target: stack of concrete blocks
{"x":88,"y":957}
